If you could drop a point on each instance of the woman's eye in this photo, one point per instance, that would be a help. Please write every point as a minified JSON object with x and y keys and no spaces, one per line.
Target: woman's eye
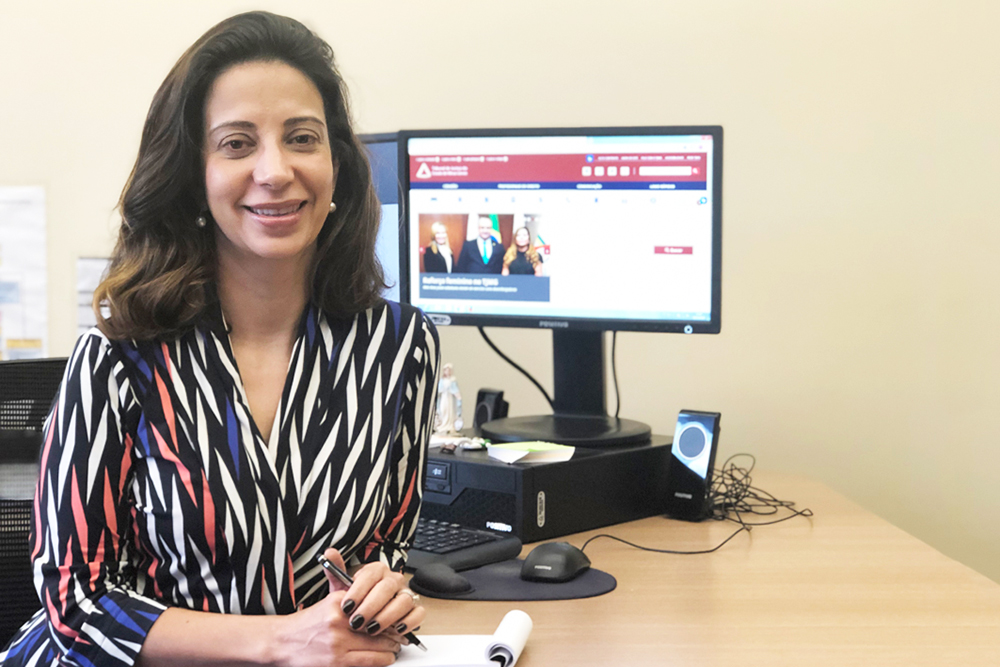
{"x":303,"y":139}
{"x":235,"y":146}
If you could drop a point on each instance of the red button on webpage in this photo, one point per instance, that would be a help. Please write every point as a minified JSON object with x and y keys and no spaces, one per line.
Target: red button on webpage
{"x":673,"y":250}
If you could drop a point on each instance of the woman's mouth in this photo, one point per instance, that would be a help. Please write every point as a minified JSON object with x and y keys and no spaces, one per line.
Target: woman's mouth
{"x":275,"y":210}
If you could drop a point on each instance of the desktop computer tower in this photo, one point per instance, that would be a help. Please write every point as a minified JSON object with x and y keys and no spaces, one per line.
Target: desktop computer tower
{"x":540,"y":501}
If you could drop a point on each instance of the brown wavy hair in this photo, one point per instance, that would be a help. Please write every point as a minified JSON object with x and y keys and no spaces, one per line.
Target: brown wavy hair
{"x":162,"y":273}
{"x":511,"y":254}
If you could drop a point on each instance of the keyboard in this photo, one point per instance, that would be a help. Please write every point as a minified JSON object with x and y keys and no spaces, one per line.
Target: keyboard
{"x":459,"y":547}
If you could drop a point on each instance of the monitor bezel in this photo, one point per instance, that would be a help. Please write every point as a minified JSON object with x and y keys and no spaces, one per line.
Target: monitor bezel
{"x":712,"y":326}
{"x":366,"y":140}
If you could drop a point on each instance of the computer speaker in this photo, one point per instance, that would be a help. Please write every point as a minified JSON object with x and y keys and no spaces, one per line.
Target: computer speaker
{"x":489,"y":406}
{"x":689,"y":471}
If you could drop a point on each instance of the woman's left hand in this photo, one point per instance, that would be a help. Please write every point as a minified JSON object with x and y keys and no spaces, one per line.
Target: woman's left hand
{"x":379,"y":601}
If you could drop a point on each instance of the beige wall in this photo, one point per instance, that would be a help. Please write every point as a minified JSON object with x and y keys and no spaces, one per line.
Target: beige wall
{"x":861,"y":309}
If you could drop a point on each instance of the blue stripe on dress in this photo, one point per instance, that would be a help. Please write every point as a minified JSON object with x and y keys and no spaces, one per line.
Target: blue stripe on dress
{"x":121,"y":616}
{"x":395,"y":309}
{"x":231,"y":433}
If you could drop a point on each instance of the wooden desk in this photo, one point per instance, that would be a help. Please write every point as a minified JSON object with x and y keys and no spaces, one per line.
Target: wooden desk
{"x":842,"y":588}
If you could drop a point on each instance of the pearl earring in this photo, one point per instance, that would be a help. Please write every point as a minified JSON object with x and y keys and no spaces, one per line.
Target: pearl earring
{"x":333,"y":206}
{"x":200,"y":221}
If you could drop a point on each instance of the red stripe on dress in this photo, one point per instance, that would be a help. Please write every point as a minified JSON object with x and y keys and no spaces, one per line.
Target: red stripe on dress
{"x":126,"y":465}
{"x":54,"y":617}
{"x":209,"y":507}
{"x":377,"y":538}
{"x":110,"y":516}
{"x":291,"y":579}
{"x":168,"y":409}
{"x":79,"y":519}
{"x":151,"y":571}
{"x":170,"y":456}
{"x":263,"y":583}
{"x":406,"y":502}
{"x":167,"y":361}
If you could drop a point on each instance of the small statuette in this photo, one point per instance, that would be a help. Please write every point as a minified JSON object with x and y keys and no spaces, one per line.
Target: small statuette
{"x":448,"y":417}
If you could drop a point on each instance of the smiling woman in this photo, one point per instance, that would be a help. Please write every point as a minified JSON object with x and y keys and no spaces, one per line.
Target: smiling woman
{"x":269,"y":171}
{"x":160,"y":269}
{"x":249,"y":402}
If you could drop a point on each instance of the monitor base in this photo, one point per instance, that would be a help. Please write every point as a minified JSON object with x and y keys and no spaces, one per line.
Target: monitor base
{"x":575,"y":430}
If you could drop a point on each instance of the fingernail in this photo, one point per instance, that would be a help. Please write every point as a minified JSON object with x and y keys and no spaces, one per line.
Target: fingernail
{"x":348,"y":606}
{"x":416,"y":628}
{"x":357,"y":621}
{"x":372,"y":627}
{"x":401,"y":628}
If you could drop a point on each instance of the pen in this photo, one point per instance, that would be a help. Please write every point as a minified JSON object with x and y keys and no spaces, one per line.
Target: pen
{"x":347,"y":581}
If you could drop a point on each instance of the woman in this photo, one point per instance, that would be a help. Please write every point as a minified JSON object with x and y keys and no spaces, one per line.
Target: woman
{"x":438,"y":257}
{"x":521,"y":257}
{"x":250,"y":402}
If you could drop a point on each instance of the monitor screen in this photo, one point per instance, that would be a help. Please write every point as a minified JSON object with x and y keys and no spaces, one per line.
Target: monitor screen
{"x":384,"y":160}
{"x":590,"y":229}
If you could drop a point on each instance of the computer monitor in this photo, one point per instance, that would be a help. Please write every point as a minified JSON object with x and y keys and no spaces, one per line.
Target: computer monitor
{"x":580,"y":231}
{"x":383,"y":156}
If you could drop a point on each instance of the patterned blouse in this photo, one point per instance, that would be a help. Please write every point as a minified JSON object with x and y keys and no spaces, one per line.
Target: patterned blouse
{"x":157,"y":489}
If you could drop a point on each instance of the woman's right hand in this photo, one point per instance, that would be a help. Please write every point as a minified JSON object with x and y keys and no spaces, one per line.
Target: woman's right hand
{"x":321,"y":636}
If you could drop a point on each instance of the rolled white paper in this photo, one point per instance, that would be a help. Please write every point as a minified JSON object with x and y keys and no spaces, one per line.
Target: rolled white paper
{"x":509,"y":639}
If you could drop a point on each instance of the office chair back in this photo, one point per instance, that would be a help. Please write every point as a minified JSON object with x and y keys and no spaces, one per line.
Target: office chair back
{"x":27,"y":389}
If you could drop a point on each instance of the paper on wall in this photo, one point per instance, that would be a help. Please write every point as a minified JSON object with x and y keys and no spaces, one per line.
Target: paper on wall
{"x":89,"y":271}
{"x":23,"y":277}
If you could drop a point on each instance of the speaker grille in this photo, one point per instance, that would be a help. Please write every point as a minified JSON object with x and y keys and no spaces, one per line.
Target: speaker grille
{"x":483,"y":414}
{"x":18,"y":600}
{"x":692,"y":441}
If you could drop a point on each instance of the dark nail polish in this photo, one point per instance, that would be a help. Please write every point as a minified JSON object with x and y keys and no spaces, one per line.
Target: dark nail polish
{"x":357,"y":622}
{"x":372,"y":627}
{"x":348,"y":606}
{"x":401,"y":628}
{"x":416,"y":628}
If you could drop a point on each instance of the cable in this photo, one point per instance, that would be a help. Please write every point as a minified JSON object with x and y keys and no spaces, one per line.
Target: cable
{"x":614,"y":369}
{"x":667,"y":551}
{"x":732,"y":492}
{"x":732,"y":495}
{"x":514,"y":364}
{"x":614,"y":372}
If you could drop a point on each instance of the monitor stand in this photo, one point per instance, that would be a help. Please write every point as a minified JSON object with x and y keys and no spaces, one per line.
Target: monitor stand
{"x":580,"y":417}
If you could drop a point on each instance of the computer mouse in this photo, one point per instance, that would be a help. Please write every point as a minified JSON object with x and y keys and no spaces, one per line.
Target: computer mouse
{"x":440,"y":578}
{"x":554,"y":562}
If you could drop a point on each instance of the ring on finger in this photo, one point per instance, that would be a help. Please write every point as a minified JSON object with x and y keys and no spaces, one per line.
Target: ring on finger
{"x":413,"y":596}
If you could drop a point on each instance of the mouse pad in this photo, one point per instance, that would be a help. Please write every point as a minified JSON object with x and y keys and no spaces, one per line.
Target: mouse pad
{"x":502,"y":581}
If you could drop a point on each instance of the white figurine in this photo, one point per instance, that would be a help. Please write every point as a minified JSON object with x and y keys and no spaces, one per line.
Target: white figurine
{"x":448,"y":419}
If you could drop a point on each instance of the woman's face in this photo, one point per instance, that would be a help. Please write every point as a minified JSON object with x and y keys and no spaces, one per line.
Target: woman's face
{"x":269,"y":172}
{"x":522,"y":238}
{"x":441,"y":237}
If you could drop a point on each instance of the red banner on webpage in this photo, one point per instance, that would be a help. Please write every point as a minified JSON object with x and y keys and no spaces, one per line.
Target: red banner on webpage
{"x":644,"y":167}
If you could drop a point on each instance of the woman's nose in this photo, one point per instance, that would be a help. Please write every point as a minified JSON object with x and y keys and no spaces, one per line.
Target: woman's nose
{"x":273,"y":168}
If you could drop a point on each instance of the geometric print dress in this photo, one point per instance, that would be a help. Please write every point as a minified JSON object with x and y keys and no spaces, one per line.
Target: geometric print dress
{"x":157,"y":489}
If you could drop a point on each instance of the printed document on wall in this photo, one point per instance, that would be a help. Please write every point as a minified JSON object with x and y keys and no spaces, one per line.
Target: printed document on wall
{"x":23,"y":298}
{"x":89,"y":271}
